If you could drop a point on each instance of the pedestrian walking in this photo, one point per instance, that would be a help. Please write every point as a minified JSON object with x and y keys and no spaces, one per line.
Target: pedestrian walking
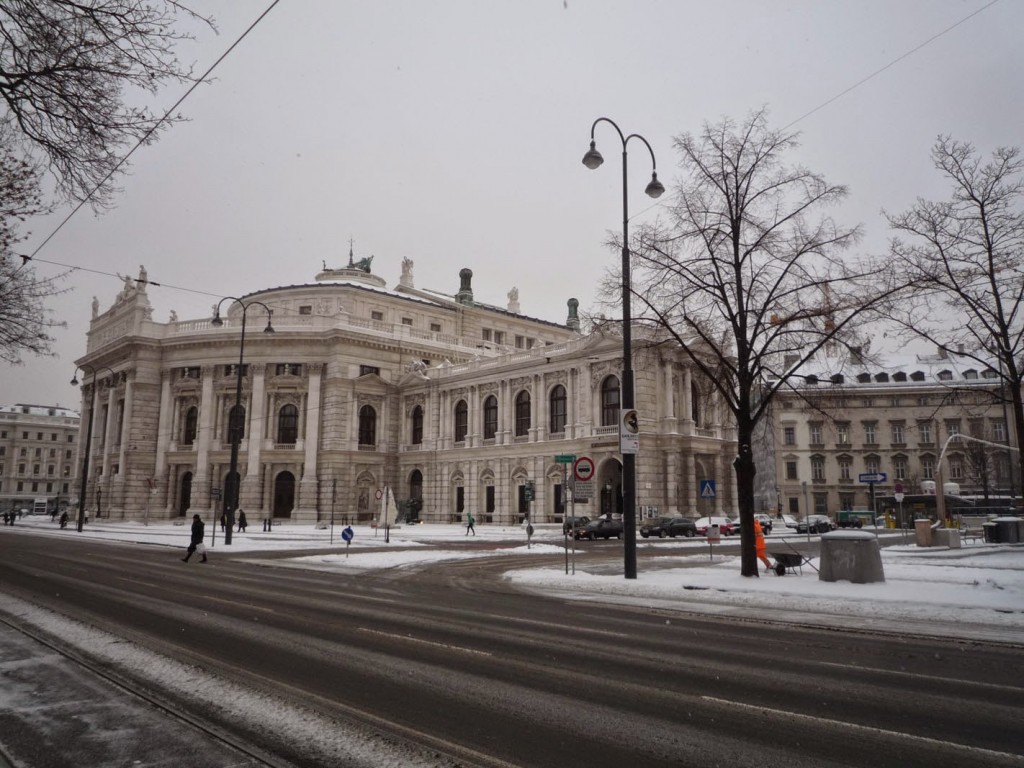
{"x":196,"y":544}
{"x":469,"y":523}
{"x":64,"y":520}
{"x":223,"y":520}
{"x":241,"y":521}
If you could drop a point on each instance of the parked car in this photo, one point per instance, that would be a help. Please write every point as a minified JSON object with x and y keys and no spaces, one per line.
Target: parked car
{"x":725,"y":525}
{"x":571,"y":524}
{"x":817,"y":524}
{"x":855,"y":518}
{"x":790,"y":522}
{"x":600,"y":529}
{"x":765,"y":520}
{"x":663,"y":527}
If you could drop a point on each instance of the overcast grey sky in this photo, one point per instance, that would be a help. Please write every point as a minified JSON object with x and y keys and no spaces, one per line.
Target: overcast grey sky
{"x":451,"y":132}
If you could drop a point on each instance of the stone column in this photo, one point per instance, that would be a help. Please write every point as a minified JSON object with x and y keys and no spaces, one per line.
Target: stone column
{"x":201,"y":477}
{"x":165,"y":421}
{"x":121,"y":481}
{"x":254,"y":432}
{"x":686,"y":417}
{"x":306,"y":506}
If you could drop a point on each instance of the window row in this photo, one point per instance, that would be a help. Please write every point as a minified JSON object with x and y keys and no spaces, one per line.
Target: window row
{"x":523,"y":413}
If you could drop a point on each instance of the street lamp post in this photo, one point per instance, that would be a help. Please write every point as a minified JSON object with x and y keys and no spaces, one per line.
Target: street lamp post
{"x":88,"y":437}
{"x":592,"y":159}
{"x":235,"y":423}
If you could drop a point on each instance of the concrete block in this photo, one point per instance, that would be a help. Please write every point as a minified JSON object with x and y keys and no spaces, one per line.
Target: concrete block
{"x":851,"y":556}
{"x":946,"y":537}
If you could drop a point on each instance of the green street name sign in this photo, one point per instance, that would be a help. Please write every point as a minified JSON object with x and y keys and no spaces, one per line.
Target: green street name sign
{"x":565,"y":458}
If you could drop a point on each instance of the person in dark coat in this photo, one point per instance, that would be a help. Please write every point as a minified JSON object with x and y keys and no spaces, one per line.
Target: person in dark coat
{"x":198,"y":532}
{"x":241,"y":521}
{"x":64,"y":520}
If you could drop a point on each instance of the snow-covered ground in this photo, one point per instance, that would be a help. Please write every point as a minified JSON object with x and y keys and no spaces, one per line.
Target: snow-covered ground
{"x":975,"y":591}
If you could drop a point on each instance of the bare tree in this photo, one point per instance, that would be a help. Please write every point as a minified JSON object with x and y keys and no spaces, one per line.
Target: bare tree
{"x":967,"y":254}
{"x":24,"y":320}
{"x":749,"y":279}
{"x":68,"y":69}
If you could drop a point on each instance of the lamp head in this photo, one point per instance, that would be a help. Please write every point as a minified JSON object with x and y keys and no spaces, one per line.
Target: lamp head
{"x":269,"y":328}
{"x":216,"y":322}
{"x":593,"y":158}
{"x":655,"y":188}
{"x":74,"y":380}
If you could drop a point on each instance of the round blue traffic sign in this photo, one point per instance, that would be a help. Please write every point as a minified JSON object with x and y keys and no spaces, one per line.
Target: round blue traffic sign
{"x":348,"y":533}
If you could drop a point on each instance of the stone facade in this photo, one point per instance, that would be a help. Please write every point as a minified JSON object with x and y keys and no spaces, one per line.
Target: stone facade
{"x":453,"y":403}
{"x":38,"y":458}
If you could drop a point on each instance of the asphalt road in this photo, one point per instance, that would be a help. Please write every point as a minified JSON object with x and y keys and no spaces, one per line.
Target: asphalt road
{"x":451,"y":661}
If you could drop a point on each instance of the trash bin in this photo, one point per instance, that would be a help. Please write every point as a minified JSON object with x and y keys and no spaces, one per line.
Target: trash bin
{"x":991,"y":531}
{"x":1009,"y":529}
{"x":923,"y":532}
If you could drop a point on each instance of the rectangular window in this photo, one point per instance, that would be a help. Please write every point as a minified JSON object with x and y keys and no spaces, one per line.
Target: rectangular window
{"x":288,"y":369}
{"x":952,"y":427}
{"x":232,"y":370}
{"x":821,"y":503}
{"x":924,"y":431}
{"x":191,"y":372}
{"x":844,"y":469}
{"x":956,"y":469}
{"x":817,"y":468}
{"x":378,"y":316}
{"x":520,"y":342}
{"x":365,"y":370}
{"x":499,"y":337}
{"x":869,"y":432}
{"x":899,"y":469}
{"x":816,"y":438}
{"x":789,"y":435}
{"x":846,"y":500}
{"x":791,"y":470}
{"x":999,"y":431}
{"x":898,"y":438}
{"x":435,"y":327}
{"x":486,"y":334}
{"x":489,"y":509}
{"x":406,"y":321}
{"x":306,"y":309}
{"x":871,"y":464}
{"x":928,"y":468}
{"x":843,"y":434}
{"x":868,"y":402}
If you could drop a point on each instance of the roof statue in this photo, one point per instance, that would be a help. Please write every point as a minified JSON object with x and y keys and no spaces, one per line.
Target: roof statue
{"x":363,"y":264}
{"x":95,"y":306}
{"x":406,"y":278}
{"x":513,"y":300}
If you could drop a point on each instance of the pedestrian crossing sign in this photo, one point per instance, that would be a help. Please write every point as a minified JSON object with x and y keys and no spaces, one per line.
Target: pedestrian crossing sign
{"x":707,"y":489}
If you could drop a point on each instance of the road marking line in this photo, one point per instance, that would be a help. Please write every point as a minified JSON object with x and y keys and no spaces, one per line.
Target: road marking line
{"x":917,"y":676}
{"x":447,"y":646}
{"x":865,"y":728}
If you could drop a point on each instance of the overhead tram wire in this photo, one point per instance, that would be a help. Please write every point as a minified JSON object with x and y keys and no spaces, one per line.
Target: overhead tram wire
{"x":861,"y":82}
{"x":201,"y":79}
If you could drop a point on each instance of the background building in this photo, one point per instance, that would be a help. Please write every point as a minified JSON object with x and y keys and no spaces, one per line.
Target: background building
{"x":893,"y":419}
{"x":38,"y":458}
{"x":453,"y":404}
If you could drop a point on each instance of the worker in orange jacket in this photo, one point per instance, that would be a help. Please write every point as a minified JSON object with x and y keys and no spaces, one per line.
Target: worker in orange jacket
{"x":759,"y":545}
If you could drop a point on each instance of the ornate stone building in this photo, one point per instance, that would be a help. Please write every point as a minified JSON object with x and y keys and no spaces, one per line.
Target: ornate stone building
{"x":38,"y":458}
{"x":896,"y":419}
{"x":455,"y":404}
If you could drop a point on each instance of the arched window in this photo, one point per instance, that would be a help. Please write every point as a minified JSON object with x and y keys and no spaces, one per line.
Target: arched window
{"x":190,"y":427}
{"x":557,"y":410}
{"x":288,"y":425}
{"x":609,"y":402}
{"x":522,"y":413}
{"x":367,"y":425}
{"x":461,"y":421}
{"x":490,"y":417}
{"x":236,"y":424}
{"x":417,"y":425}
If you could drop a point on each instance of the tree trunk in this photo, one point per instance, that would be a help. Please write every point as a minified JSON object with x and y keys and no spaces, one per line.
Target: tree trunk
{"x":745,"y":473}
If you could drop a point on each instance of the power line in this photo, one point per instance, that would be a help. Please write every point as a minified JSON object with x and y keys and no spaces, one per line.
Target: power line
{"x":141,"y":141}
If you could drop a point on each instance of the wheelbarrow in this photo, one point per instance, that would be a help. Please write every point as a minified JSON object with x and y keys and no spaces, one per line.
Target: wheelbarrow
{"x":790,"y":560}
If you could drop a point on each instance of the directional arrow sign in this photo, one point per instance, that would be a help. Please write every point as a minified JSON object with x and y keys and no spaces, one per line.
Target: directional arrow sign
{"x":873,"y":477}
